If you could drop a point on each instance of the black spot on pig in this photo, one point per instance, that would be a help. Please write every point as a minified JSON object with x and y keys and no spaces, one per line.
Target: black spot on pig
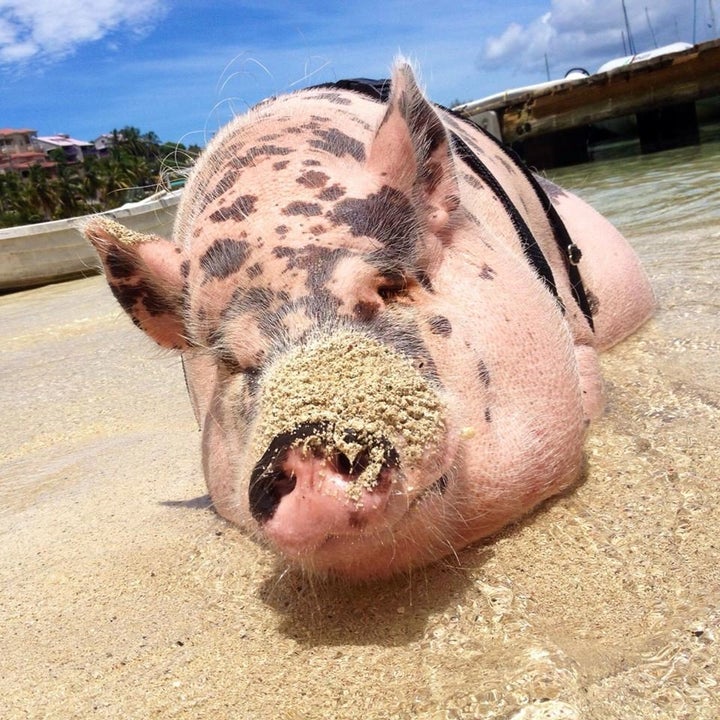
{"x":130,"y":295}
{"x":127,"y":296}
{"x":252,"y":301}
{"x":227,"y":182}
{"x":332,"y":193}
{"x":424,"y":279}
{"x":483,"y":373}
{"x":224,"y":257}
{"x":334,"y":98}
{"x":440,"y":325}
{"x":365,"y":311}
{"x":119,"y":264}
{"x":487,"y":273}
{"x":299,"y":207}
{"x":405,"y":336}
{"x":258,"y":152}
{"x":339,"y":144}
{"x":552,"y":190}
{"x":238,"y":211}
{"x":472,"y":181}
{"x":503,"y":161}
{"x":313,"y":179}
{"x":318,"y":262}
{"x":386,"y":215}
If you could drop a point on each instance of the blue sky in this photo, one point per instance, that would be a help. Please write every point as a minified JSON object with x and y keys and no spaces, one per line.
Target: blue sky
{"x":182,"y":68}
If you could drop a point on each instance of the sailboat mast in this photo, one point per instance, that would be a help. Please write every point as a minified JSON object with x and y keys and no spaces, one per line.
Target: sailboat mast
{"x":631,"y":43}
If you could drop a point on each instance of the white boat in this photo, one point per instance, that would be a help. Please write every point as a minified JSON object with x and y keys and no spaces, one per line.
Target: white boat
{"x":43,"y":253}
{"x":641,"y":57}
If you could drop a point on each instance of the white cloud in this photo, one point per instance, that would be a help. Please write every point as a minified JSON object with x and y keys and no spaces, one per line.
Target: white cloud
{"x":589,"y":32}
{"x":33,"y":30}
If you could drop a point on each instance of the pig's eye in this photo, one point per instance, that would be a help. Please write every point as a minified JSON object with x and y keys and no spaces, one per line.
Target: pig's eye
{"x":231,"y":364}
{"x":392,"y":287}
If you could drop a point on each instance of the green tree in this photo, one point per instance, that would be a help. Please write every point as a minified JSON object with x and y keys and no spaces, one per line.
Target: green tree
{"x":136,"y":165}
{"x":42,"y":192}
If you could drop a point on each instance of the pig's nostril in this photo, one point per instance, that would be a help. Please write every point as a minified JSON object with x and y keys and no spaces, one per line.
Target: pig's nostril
{"x":284,"y":483}
{"x":343,"y":465}
{"x":361,"y":463}
{"x":267,"y":490}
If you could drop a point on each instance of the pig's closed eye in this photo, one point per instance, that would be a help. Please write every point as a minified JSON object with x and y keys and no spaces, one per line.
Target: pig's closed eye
{"x":234,"y":367}
{"x":392,"y":288}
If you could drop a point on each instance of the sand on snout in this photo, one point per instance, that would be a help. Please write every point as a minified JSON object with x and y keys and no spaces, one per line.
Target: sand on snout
{"x":360,"y":396}
{"x":123,"y":596}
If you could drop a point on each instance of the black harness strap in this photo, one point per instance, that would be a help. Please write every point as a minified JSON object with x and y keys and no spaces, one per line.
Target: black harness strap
{"x":376,"y":89}
{"x":569,"y":251}
{"x":533,"y":252}
{"x":571,"y":254}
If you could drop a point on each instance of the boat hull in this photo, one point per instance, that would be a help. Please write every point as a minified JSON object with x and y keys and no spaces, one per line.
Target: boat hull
{"x":44,"y":253}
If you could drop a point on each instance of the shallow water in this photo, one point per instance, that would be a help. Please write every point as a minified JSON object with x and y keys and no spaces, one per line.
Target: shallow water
{"x":642,"y":193}
{"x":123,"y":596}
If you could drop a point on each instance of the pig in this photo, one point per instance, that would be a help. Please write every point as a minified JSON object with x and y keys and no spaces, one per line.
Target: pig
{"x":390,"y":328}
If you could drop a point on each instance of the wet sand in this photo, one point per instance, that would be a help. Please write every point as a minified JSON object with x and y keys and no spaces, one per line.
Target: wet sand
{"x":124,"y":596}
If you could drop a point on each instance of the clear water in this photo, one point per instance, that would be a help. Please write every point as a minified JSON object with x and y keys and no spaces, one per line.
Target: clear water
{"x":643,"y":193}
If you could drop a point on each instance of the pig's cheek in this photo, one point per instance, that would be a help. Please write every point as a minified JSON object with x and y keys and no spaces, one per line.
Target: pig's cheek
{"x":234,"y":420}
{"x":220,"y":452}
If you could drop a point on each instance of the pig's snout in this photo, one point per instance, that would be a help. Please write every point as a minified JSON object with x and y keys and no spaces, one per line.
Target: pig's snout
{"x":313,"y":483}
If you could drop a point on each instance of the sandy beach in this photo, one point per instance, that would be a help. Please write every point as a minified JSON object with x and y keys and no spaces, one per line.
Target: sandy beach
{"x":124,"y":596}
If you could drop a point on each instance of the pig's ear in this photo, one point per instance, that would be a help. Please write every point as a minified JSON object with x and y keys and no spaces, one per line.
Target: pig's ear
{"x":411,"y":151}
{"x":146,"y":274}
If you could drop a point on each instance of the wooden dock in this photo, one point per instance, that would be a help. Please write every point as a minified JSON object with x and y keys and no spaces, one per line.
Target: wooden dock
{"x":548,"y":123}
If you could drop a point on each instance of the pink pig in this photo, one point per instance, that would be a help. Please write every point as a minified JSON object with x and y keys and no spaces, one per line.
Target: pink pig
{"x":389,"y":327}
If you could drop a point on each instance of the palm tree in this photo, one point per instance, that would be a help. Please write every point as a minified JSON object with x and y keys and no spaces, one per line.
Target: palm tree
{"x":91,"y":179}
{"x":115,"y":178}
{"x":70,"y":193}
{"x":137,"y":164}
{"x":42,"y":192}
